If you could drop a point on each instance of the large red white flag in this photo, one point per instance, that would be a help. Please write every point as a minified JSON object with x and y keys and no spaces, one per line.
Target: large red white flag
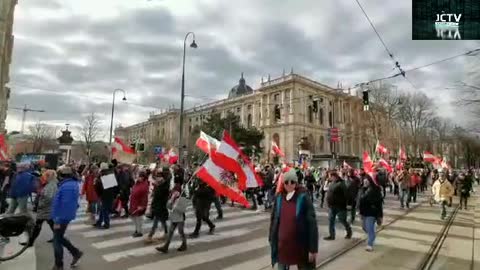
{"x":207,"y":143}
{"x":379,"y":148}
{"x":429,"y":157}
{"x":367,"y":163}
{"x":3,"y":148}
{"x":172,"y":156}
{"x":212,"y":175}
{"x":276,"y":150}
{"x":230,"y":157}
{"x":382,"y":162}
{"x":122,"y":152}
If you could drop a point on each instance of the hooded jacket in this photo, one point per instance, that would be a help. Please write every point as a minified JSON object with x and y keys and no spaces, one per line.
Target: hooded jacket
{"x":65,"y":202}
{"x":23,"y":185}
{"x":442,"y":190}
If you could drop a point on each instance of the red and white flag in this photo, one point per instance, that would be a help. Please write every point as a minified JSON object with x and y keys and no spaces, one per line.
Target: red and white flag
{"x":122,"y":152}
{"x":367,"y":163}
{"x":429,"y":157}
{"x":401,"y":154}
{"x":230,"y":157}
{"x":206,"y":143}
{"x":276,"y":150}
{"x":172,"y":156}
{"x":380,"y":148}
{"x":382,"y":162}
{"x":211,"y":174}
{"x":3,"y":148}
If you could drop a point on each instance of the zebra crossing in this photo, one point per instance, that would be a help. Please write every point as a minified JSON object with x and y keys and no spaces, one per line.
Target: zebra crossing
{"x":240,"y":241}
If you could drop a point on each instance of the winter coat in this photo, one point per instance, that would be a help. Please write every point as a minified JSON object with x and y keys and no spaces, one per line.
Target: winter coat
{"x":106,"y":195}
{"x":353,"y":185}
{"x":179,"y":176}
{"x":88,"y":188}
{"x":160,"y":198}
{"x":307,"y":230}
{"x":139,"y":198}
{"x":45,"y":200}
{"x":23,"y":185}
{"x":442,"y":191}
{"x":310,"y":181}
{"x":125,"y":182}
{"x":371,"y":203}
{"x":337,"y":195}
{"x":203,"y":196}
{"x":65,"y":203}
{"x":464,"y":186}
{"x":382,"y":178}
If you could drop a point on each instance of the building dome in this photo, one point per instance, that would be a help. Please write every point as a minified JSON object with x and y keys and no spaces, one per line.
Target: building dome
{"x":241,"y":89}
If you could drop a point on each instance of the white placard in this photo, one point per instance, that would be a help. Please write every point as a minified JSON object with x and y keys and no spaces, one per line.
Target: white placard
{"x":109,"y":181}
{"x":152,"y":166}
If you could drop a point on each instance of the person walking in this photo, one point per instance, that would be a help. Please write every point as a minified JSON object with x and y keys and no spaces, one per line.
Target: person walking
{"x":177,"y":206}
{"x":442,"y":190}
{"x":326,"y":181}
{"x":353,"y":186}
{"x":125,"y":183}
{"x":21,"y":189}
{"x":403,"y":180}
{"x":138,"y":203}
{"x":202,"y":200}
{"x":64,"y":210}
{"x":310,"y":183}
{"x":107,"y":196}
{"x":293,"y":234}
{"x":463,"y":184}
{"x":45,"y":201}
{"x":88,"y":190}
{"x":337,"y":197}
{"x":161,"y":190}
{"x":371,"y":209}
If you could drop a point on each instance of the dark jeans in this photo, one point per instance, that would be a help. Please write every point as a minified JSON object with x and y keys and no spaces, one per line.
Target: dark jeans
{"x":412,"y":195}
{"x":353,"y":212}
{"x":218,"y":206}
{"x":323,"y":194}
{"x":155,"y":226}
{"x":59,"y":241}
{"x":342,"y":217}
{"x":463,"y":200}
{"x":124,"y":197}
{"x":38,"y":228}
{"x":3,"y":202}
{"x":251,"y":195}
{"x":202,"y":213}
{"x":104,"y":216}
{"x":180,"y":226}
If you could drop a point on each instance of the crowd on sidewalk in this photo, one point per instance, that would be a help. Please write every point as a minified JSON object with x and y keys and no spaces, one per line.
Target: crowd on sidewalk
{"x":162,"y":193}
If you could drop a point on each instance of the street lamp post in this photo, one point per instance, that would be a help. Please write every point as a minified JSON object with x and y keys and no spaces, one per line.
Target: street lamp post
{"x":182,"y":97}
{"x":113,"y":111}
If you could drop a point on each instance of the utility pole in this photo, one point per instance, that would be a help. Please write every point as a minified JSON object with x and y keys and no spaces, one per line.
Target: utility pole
{"x":25,"y":109}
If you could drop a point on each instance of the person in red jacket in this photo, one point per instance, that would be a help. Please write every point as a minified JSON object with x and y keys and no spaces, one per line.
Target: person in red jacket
{"x":88,"y":190}
{"x":138,"y":202}
{"x":414,"y":182}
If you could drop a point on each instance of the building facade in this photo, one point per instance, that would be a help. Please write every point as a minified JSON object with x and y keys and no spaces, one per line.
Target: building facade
{"x":7,"y":8}
{"x":284,"y":109}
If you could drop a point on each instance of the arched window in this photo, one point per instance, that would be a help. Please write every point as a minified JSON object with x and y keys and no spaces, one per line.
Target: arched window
{"x":249,"y":121}
{"x":321,"y":116}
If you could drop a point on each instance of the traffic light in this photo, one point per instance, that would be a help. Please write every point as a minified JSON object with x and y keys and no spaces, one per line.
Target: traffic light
{"x":277,"y":112}
{"x":366,"y":102}
{"x":315,"y":106}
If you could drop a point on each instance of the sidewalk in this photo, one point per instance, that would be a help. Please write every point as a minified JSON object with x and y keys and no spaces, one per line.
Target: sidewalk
{"x":26,"y":261}
{"x":404,"y":244}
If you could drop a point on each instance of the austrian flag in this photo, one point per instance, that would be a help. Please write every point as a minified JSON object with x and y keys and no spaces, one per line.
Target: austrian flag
{"x":207,"y":143}
{"x":380,"y":148}
{"x":276,"y":150}
{"x":3,"y":148}
{"x":119,"y":146}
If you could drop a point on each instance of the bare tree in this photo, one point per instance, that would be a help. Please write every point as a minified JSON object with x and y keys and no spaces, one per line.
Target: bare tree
{"x":90,"y":131}
{"x":469,"y":98}
{"x":441,"y":129}
{"x":415,"y":114}
{"x":43,"y":136}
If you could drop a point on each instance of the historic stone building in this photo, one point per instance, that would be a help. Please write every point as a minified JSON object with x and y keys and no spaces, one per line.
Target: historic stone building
{"x":7,"y":8}
{"x":294,"y":111}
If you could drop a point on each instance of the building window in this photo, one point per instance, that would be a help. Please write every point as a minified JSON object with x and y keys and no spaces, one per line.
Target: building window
{"x":238,"y":109}
{"x":189,"y":129}
{"x":249,"y":121}
{"x":276,"y":97}
{"x":310,"y":114}
{"x":196,"y":119}
{"x":331,"y":146}
{"x":249,"y":107}
{"x":322,"y":143}
{"x":330,"y":118}
{"x":321,"y":116}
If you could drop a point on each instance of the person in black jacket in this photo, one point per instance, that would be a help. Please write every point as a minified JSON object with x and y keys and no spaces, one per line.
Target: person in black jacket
{"x":161,"y":191}
{"x":125,"y":183}
{"x":337,"y":197}
{"x":371,"y":209}
{"x":203,"y":196}
{"x":106,"y":196}
{"x":353,"y":184}
{"x":310,"y":183}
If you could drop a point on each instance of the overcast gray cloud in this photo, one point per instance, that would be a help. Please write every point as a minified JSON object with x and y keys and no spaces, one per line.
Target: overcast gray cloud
{"x":79,"y":51}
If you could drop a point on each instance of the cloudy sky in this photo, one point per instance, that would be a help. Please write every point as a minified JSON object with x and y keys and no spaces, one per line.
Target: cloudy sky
{"x":70,"y":55}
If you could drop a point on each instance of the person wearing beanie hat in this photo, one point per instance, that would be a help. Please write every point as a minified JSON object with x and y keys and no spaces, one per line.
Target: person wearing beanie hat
{"x":293,"y":230}
{"x":337,"y":199}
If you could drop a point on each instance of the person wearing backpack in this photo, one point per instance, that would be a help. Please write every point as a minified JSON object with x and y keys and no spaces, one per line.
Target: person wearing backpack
{"x":293,"y":230}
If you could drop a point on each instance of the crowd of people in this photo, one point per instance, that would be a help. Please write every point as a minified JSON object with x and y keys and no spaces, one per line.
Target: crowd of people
{"x":162,"y":194}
